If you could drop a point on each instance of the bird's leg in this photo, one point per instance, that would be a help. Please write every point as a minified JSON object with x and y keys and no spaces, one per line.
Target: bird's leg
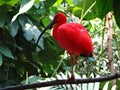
{"x":73,"y":62}
{"x":76,"y":59}
{"x":72,"y":68}
{"x":72,"y":73}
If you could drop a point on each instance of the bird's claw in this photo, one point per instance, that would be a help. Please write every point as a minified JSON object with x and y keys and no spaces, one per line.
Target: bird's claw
{"x":72,"y":78}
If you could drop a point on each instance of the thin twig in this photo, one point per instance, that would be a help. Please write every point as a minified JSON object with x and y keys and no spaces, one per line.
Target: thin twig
{"x":96,"y":32}
{"x":101,"y":53}
{"x":61,"y":82}
{"x":83,"y":15}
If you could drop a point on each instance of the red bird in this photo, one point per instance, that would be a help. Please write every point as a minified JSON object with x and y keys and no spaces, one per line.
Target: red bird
{"x":72,"y":37}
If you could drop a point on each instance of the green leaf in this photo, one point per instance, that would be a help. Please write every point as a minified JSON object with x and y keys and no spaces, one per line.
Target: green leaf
{"x":49,"y":3}
{"x":77,"y":11}
{"x":103,"y":7}
{"x":67,"y":68}
{"x":3,"y":11}
{"x":32,"y":79}
{"x":1,"y":59}
{"x":82,"y":6}
{"x":91,"y":59}
{"x":116,"y":9}
{"x":48,"y":68}
{"x":99,"y":8}
{"x":75,"y":2}
{"x":102,"y":85}
{"x":114,"y":87}
{"x":24,"y":7}
{"x":118,"y":84}
{"x":106,"y":86}
{"x":58,"y":2}
{"x":23,"y":20}
{"x":6,"y":52}
{"x":2,"y":19}
{"x":14,"y":28}
{"x":28,"y":29}
{"x":46,"y":21}
{"x":70,"y":2}
{"x":9,"y":2}
{"x":96,"y":86}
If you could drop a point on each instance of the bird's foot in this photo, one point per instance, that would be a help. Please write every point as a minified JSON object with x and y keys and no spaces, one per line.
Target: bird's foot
{"x":72,"y":78}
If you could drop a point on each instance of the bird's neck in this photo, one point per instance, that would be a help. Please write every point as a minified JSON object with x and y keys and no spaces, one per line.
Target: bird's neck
{"x":55,"y":29}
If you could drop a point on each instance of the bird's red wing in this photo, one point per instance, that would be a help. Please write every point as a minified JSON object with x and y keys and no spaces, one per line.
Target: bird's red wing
{"x":74,"y":38}
{"x":84,"y":40}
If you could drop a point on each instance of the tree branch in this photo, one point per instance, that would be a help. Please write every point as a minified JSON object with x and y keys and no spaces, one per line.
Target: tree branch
{"x":61,"y":82}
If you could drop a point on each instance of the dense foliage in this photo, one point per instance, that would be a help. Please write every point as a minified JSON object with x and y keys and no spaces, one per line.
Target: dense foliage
{"x":21,"y":22}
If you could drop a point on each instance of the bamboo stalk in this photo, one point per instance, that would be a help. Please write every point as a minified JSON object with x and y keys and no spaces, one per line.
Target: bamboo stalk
{"x":109,"y":24}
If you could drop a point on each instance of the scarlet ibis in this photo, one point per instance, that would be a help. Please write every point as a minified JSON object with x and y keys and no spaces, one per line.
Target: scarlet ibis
{"x":72,"y":37}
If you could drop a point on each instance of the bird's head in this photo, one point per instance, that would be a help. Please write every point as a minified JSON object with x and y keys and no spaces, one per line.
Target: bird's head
{"x":59,"y":19}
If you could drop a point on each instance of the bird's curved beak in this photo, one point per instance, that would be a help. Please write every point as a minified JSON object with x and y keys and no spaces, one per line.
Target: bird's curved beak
{"x":46,"y":28}
{"x":50,"y":25}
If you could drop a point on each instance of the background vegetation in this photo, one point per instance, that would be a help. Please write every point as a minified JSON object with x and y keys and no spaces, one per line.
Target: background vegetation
{"x":22,"y":61}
